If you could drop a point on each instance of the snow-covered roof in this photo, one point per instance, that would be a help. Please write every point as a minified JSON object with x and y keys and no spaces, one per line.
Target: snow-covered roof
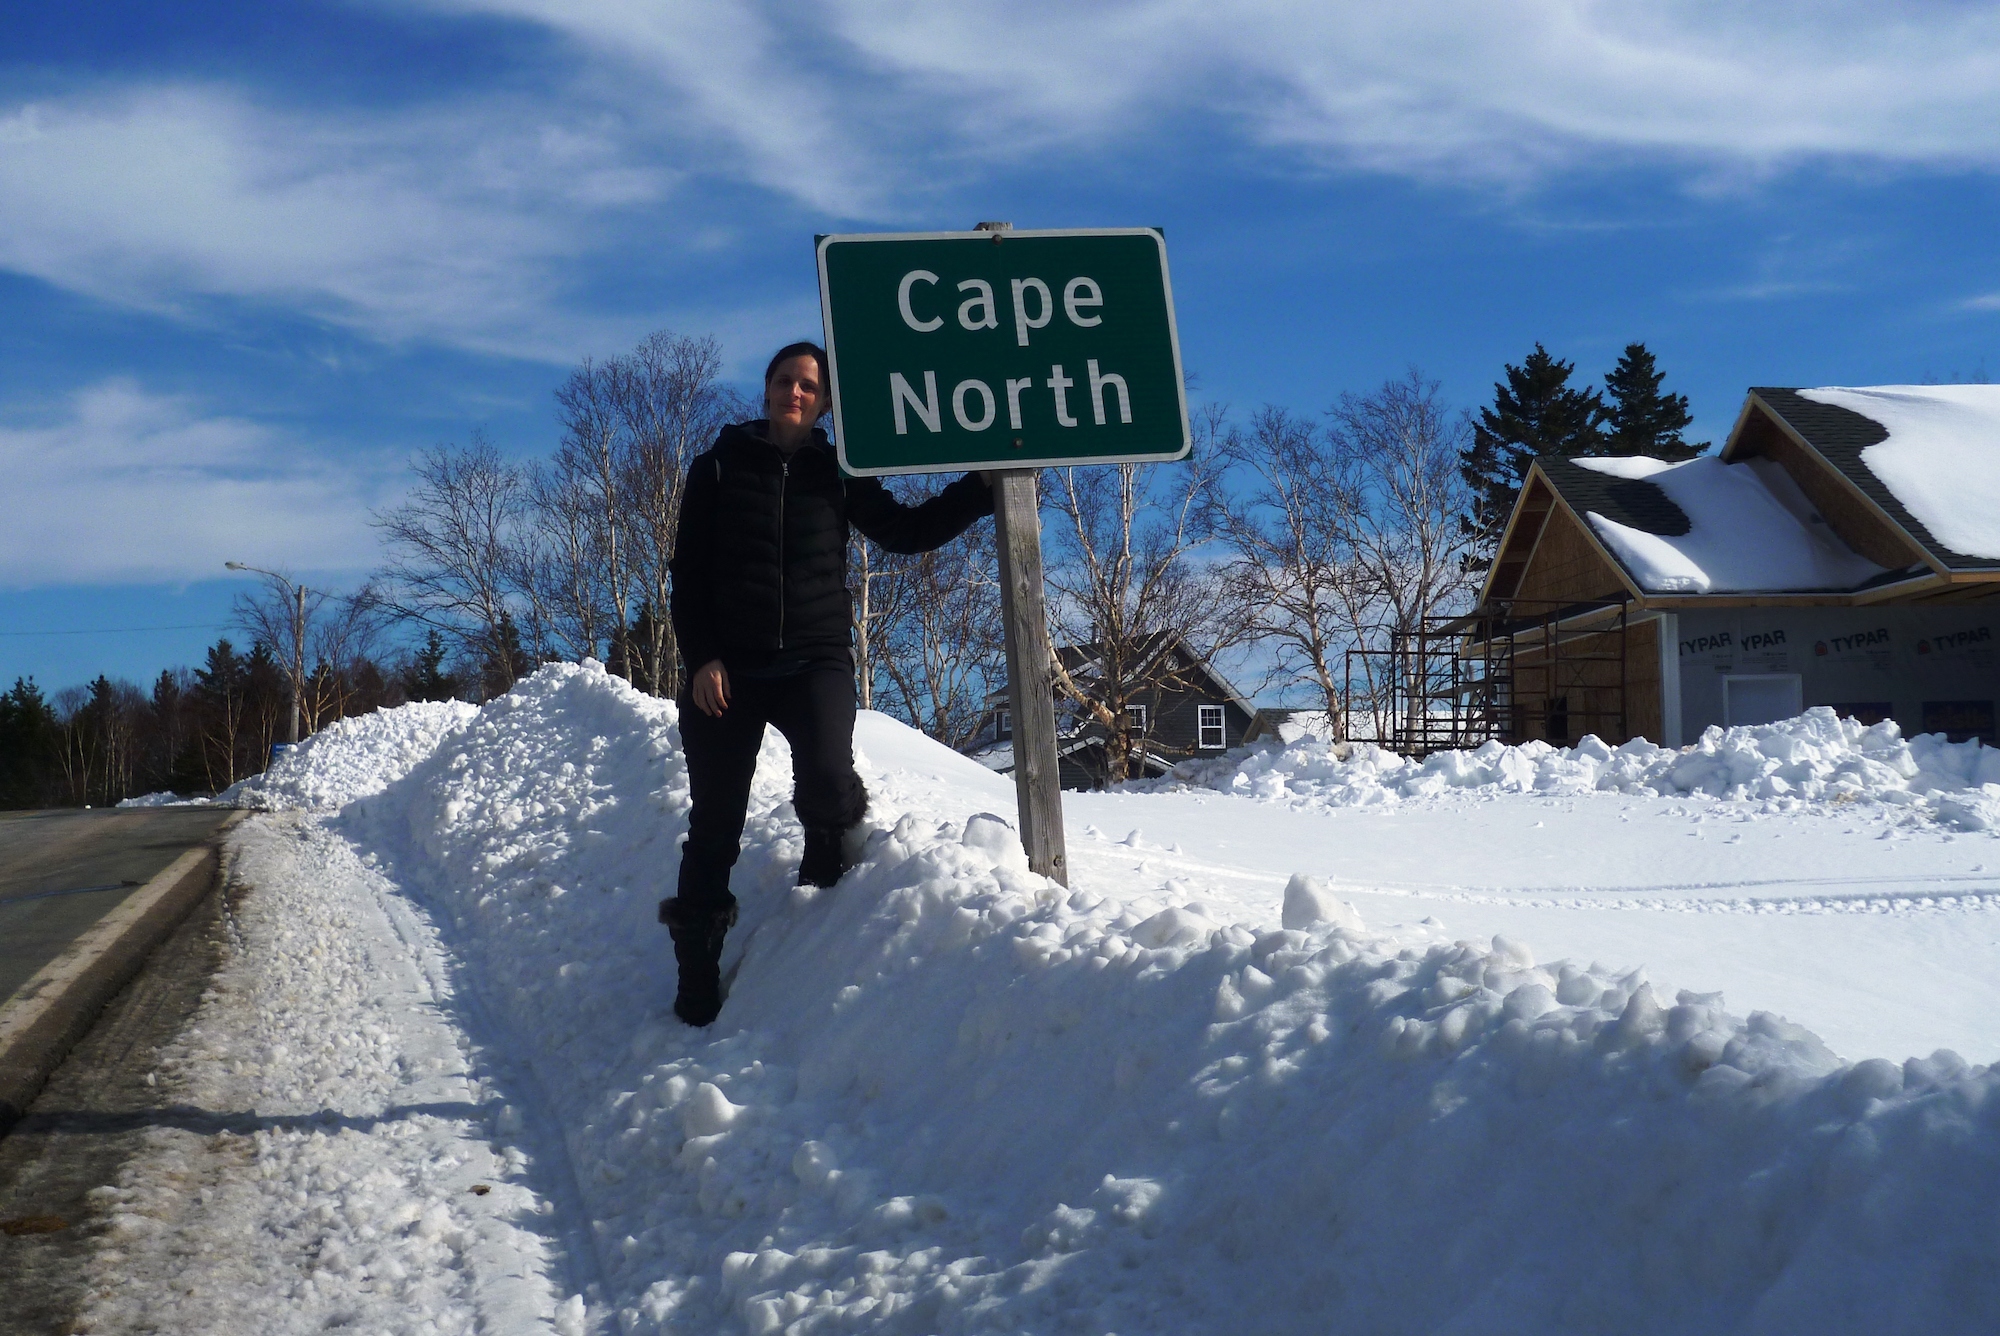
{"x":1747,"y":528}
{"x":1940,"y":459}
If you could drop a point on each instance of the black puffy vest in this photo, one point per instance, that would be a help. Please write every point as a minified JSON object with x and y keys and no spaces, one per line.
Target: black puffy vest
{"x":760,"y":560}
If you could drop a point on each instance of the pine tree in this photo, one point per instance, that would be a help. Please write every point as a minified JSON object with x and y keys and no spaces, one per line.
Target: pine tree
{"x":506,"y":660}
{"x":425,"y":678}
{"x":219,"y":688}
{"x":1536,"y":412}
{"x":27,"y":738}
{"x":1642,"y":420}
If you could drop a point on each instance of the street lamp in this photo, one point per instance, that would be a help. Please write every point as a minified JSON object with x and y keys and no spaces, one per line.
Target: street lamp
{"x":298,"y":637}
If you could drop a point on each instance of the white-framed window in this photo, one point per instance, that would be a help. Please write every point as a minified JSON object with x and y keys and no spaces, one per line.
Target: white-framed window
{"x":1136,"y":716}
{"x":1209,"y":730}
{"x":1003,"y":724}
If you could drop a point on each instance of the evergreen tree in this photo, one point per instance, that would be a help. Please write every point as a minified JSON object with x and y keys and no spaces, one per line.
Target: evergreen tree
{"x":27,"y":739}
{"x":1642,"y":420}
{"x":506,"y":661}
{"x":219,"y":687}
{"x":174,"y":758}
{"x":425,"y":677}
{"x":1536,"y":412}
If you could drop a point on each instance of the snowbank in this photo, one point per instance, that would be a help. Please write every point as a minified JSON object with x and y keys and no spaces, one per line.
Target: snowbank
{"x":352,"y":758}
{"x":950,"y":1096}
{"x":168,"y":798}
{"x":1817,"y":757}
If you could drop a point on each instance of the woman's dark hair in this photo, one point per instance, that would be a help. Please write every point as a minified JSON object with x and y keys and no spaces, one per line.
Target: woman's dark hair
{"x":791,"y":350}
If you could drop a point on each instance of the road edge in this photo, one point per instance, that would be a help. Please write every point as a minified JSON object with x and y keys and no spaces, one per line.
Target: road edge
{"x":56,"y":1008}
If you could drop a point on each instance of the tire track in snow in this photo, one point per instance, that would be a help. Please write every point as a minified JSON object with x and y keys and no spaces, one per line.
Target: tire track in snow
{"x":1921,"y":893}
{"x":525,"y":1118}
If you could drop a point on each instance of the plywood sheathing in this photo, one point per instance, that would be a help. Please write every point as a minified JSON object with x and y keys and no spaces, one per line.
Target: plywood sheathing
{"x":1587,"y":674}
{"x":1568,"y":565}
{"x":1848,"y":512}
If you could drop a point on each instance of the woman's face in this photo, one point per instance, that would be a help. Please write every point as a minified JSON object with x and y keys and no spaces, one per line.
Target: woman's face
{"x":793,"y":397}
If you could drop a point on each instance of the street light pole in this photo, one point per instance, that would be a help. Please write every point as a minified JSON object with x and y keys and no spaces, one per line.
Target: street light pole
{"x":298,"y":661}
{"x":298,"y":638}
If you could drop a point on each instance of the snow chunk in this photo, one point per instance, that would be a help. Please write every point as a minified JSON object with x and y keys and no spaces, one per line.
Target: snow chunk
{"x":708,"y":1111}
{"x":994,"y":836}
{"x":1173,"y":927}
{"x":1308,"y":901}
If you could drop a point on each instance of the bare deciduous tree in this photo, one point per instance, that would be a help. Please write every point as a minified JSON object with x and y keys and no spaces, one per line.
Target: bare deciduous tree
{"x":1284,"y":514}
{"x":1127,"y":575}
{"x":561,"y":565}
{"x":606,"y":507}
{"x":933,"y":636}
{"x":1343,"y":535}
{"x":1398,"y":450}
{"x":670,"y":406}
{"x":340,"y":631}
{"x":590,"y":459}
{"x":454,"y":546}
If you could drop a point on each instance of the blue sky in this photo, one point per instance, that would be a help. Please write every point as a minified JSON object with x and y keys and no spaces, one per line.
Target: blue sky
{"x":253,"y":257}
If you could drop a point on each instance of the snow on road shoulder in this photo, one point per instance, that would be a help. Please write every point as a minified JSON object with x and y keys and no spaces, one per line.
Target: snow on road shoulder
{"x":949,"y":1095}
{"x":352,"y":758}
{"x":327,"y":1163}
{"x":1816,"y":757}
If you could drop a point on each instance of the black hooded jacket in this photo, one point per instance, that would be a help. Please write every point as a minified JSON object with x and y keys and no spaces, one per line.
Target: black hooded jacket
{"x":760,"y":561}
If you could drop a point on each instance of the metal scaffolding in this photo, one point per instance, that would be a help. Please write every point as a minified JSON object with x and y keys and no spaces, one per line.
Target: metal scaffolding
{"x":1512,"y":670}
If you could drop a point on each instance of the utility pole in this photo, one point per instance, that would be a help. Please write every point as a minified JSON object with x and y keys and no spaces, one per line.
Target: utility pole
{"x":298,"y":661}
{"x":298,"y":673}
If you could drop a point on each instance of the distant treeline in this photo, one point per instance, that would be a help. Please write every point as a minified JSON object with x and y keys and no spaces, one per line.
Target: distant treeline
{"x":196,"y":732}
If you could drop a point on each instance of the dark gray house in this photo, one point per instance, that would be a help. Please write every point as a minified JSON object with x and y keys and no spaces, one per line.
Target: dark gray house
{"x":1187,"y":709}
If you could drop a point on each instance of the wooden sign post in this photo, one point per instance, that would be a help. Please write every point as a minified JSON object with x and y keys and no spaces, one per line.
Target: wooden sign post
{"x":1031,"y":697}
{"x":1006,"y":351}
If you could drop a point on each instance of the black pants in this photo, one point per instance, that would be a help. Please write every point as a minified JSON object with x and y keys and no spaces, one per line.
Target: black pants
{"x":814,"y":709}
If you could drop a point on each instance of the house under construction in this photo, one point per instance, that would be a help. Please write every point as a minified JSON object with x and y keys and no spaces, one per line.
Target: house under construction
{"x":1842,"y":549}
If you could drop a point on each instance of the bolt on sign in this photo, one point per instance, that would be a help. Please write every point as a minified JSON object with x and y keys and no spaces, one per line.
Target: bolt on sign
{"x":968,"y":350}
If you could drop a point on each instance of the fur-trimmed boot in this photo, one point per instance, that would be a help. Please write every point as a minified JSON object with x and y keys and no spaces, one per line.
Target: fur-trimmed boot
{"x":825,"y":858}
{"x":698,"y":932}
{"x":830,"y":827}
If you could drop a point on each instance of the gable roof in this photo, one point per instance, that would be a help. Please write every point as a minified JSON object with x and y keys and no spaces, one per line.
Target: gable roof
{"x":1925,"y":458}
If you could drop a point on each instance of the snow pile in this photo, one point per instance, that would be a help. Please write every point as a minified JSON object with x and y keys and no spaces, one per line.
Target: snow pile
{"x":950,"y":1096}
{"x":1749,"y":527}
{"x":1942,"y":458}
{"x":167,"y":798}
{"x":1817,"y":757}
{"x":353,"y":757}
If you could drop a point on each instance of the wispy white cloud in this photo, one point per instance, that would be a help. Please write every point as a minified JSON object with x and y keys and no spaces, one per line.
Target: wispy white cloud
{"x":472,"y":219}
{"x":1989,"y":301}
{"x":850,"y":100}
{"x":126,"y":485}
{"x":452,"y":225}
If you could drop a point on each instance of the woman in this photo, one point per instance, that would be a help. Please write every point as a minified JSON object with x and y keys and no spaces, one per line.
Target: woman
{"x":761,"y":610}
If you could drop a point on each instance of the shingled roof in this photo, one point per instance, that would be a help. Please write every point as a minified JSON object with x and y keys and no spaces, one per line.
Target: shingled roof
{"x":1636,"y":503}
{"x":1839,"y":435}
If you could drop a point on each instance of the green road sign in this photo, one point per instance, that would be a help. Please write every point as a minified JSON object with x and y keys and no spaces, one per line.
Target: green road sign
{"x":965,"y":350}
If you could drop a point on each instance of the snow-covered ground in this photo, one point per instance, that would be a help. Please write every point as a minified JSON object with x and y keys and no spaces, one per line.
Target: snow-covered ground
{"x":1193,"y":1092}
